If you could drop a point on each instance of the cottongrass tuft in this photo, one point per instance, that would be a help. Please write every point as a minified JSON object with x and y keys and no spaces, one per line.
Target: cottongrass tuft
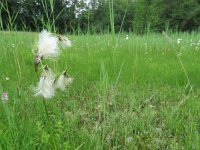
{"x":7,"y":78}
{"x":179,"y":40}
{"x":46,"y":87}
{"x":63,"y":81}
{"x":64,"y":41}
{"x":127,"y":37}
{"x":47,"y":45}
{"x":48,"y":84}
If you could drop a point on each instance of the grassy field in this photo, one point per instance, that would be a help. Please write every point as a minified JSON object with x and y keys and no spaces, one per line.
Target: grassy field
{"x":127,"y":94}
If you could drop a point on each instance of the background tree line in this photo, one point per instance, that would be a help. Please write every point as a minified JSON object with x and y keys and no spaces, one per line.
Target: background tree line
{"x":82,"y":16}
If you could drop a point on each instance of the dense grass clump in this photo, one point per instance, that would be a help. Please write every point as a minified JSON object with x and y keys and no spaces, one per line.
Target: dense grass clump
{"x":127,"y":94}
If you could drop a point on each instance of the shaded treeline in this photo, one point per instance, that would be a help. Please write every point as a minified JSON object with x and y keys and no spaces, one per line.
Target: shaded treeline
{"x":80,"y":16}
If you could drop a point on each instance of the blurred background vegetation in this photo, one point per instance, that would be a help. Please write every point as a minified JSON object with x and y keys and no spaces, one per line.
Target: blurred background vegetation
{"x":93,"y":16}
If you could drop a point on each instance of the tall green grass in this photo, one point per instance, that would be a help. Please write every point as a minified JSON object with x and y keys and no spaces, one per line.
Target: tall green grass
{"x":10,"y":24}
{"x":124,"y":96}
{"x":127,"y":94}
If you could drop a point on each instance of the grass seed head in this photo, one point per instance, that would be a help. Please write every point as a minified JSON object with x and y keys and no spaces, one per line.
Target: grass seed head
{"x":47,"y":45}
{"x":64,"y":81}
{"x":64,"y":41}
{"x":46,"y":86}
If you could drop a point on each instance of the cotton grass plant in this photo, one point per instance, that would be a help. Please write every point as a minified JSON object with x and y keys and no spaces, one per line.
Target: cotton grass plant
{"x":48,"y":47}
{"x":46,"y":85}
{"x":141,"y":110}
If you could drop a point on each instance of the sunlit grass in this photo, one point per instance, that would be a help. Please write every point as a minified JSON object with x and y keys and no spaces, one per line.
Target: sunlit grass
{"x":126,"y":94}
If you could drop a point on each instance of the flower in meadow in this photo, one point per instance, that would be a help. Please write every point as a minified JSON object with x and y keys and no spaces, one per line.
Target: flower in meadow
{"x":46,"y":85}
{"x":129,"y":139}
{"x":4,"y":97}
{"x":64,"y":41}
{"x":63,"y":81}
{"x":47,"y":45}
{"x":179,"y":41}
{"x":7,"y":78}
{"x":126,"y":37}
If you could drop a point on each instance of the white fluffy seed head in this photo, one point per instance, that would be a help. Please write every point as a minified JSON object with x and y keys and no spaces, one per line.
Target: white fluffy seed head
{"x":48,"y":73}
{"x":126,"y":37}
{"x":47,"y":45}
{"x":179,"y":41}
{"x":46,"y":86}
{"x":65,"y":42}
{"x":63,"y":81}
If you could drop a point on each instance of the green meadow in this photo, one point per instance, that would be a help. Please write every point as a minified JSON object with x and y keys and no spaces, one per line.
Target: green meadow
{"x":137,"y":93}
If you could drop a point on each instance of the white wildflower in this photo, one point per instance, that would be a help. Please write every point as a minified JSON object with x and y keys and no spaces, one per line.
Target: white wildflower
{"x":46,"y":87}
{"x":179,"y":41}
{"x":48,"y":73}
{"x":47,"y":45}
{"x":129,"y":139}
{"x":63,"y":81}
{"x":7,"y":78}
{"x":4,"y":97}
{"x":65,"y":42}
{"x":126,"y":37}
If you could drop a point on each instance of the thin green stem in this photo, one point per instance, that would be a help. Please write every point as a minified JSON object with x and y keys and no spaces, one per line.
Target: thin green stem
{"x":49,"y":124}
{"x":180,"y":61}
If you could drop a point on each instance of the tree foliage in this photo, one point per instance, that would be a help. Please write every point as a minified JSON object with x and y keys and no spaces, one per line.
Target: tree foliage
{"x":77,"y":16}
